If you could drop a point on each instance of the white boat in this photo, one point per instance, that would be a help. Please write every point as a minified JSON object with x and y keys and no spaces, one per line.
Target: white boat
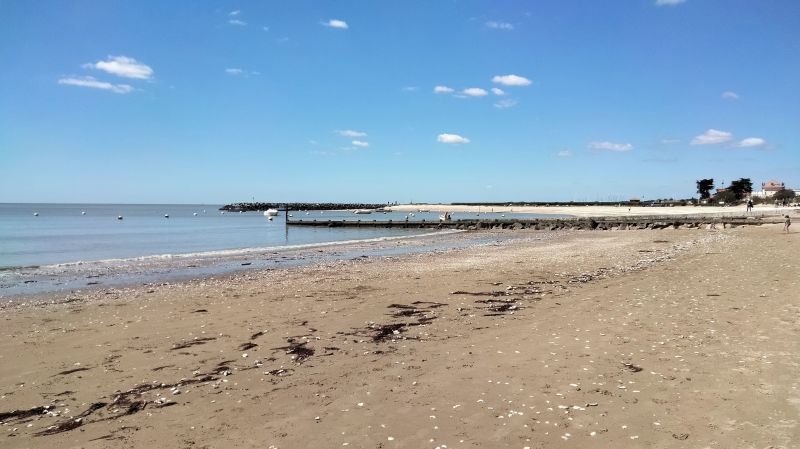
{"x":362,"y":211}
{"x":271,"y":212}
{"x":445,"y":217}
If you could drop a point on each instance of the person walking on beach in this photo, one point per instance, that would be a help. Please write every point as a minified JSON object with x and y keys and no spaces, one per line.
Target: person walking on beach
{"x":749,"y":205}
{"x":786,"y":223}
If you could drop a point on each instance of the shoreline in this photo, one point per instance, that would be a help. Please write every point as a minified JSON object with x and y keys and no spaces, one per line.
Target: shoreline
{"x":602,"y":211}
{"x":613,"y":339}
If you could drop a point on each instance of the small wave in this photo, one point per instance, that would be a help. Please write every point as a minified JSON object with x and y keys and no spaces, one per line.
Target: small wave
{"x":234,"y":252}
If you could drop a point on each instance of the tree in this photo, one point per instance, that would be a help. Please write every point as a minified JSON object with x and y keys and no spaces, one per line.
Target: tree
{"x":704,"y":187}
{"x":784,"y":194}
{"x":726,"y":197}
{"x":740,"y":187}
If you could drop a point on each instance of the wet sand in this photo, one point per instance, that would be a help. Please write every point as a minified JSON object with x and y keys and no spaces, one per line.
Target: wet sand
{"x":607,"y":339}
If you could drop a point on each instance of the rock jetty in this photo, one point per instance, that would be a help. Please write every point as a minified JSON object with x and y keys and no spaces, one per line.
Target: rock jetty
{"x":245,"y":207}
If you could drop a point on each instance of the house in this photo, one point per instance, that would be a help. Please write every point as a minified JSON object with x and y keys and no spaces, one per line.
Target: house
{"x":769,"y":188}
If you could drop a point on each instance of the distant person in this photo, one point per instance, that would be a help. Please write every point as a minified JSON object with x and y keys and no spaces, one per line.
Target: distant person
{"x":749,"y":205}
{"x":786,"y":223}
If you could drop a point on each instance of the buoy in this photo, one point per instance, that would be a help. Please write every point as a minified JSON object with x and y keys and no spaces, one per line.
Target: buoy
{"x":119,"y":217}
{"x":166,"y":215}
{"x":36,"y":214}
{"x":83,"y":212}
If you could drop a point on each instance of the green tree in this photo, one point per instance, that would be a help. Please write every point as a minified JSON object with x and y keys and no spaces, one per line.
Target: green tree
{"x":726,"y":196}
{"x":784,"y":194}
{"x":704,"y":187}
{"x":741,"y":187}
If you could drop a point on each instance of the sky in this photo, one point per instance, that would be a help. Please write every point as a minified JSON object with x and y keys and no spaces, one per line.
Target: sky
{"x":216,"y":102}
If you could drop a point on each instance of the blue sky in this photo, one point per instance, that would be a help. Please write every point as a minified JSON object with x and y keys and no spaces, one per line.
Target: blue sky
{"x":443,"y":101}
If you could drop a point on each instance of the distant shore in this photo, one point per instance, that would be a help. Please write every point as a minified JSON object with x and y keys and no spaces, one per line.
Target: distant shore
{"x":597,"y":211}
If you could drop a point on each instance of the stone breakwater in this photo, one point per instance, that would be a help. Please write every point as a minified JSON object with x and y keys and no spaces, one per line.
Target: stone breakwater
{"x":245,"y":207}
{"x":610,"y":224}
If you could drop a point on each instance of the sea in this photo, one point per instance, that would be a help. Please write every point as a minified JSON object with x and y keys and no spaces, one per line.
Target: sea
{"x":52,"y":247}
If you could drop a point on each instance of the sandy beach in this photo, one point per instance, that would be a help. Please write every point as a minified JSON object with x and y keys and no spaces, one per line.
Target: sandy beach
{"x":602,"y":211}
{"x":605,"y":339}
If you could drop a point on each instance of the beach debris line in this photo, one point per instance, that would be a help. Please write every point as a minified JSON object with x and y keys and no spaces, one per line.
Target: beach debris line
{"x":300,"y":353}
{"x":196,"y":341}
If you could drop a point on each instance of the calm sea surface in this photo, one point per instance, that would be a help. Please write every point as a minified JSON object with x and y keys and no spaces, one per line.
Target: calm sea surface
{"x":71,"y":247}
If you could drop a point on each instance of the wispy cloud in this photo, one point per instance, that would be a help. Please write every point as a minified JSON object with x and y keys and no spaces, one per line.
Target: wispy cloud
{"x":360,"y":143}
{"x":351,"y":133}
{"x":92,"y":83}
{"x":751,"y":142}
{"x":712,"y":137}
{"x":669,"y":2}
{"x":564,"y":153}
{"x":122,"y":66}
{"x":443,"y":90}
{"x":475,"y":92}
{"x":410,"y":88}
{"x":730,"y":95}
{"x":336,"y":23}
{"x":234,"y":13}
{"x":237,"y":22}
{"x":235,"y":71}
{"x":505,"y":104}
{"x":498,"y":91}
{"x":499,"y":25}
{"x":670,"y":141}
{"x":451,"y":139}
{"x":512,"y":80}
{"x":611,"y":146}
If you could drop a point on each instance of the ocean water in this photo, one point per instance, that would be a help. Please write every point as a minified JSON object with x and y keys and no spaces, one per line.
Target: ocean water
{"x":64,"y":233}
{"x":54,"y":247}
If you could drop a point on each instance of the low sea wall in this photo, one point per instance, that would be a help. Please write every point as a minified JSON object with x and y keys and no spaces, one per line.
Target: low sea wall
{"x":624,"y":223}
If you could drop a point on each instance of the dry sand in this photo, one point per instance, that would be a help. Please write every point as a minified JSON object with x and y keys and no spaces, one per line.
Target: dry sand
{"x":610,"y":339}
{"x":601,"y":211}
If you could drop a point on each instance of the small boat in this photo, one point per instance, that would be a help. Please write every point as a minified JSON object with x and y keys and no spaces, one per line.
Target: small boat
{"x":36,"y":214}
{"x":445,"y":217}
{"x":83,"y":212}
{"x":271,"y":212}
{"x":119,"y":217}
{"x":194,"y":214}
{"x":166,"y":215}
{"x":362,"y":211}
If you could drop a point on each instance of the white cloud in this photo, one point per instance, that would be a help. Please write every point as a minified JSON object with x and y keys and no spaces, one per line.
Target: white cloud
{"x":91,"y":82}
{"x":351,"y":133}
{"x":499,"y":25}
{"x":669,"y":2}
{"x":670,"y":141}
{"x":730,"y":95}
{"x":611,"y":146}
{"x":410,"y":88}
{"x":451,"y":139}
{"x":751,"y":142}
{"x":497,"y":91}
{"x":512,"y":80}
{"x":234,"y":13}
{"x":122,"y":66}
{"x":443,"y":90}
{"x":564,"y":153}
{"x":712,"y":137}
{"x":237,"y":22}
{"x":505,"y":104}
{"x":234,"y":71}
{"x":475,"y":92}
{"x":360,"y":143}
{"x":336,"y":23}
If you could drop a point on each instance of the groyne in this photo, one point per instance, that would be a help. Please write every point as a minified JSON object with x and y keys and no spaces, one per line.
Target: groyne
{"x":607,"y":223}
{"x":256,"y":206}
